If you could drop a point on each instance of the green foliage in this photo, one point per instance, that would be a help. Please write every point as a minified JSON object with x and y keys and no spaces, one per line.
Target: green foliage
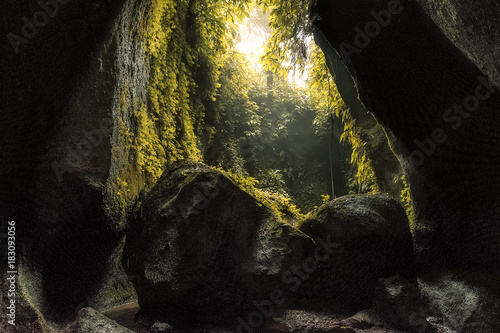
{"x":325,"y":199}
{"x":272,"y":180}
{"x":365,"y":175}
{"x":329,"y":103}
{"x":171,"y":115}
{"x":291,"y":45}
{"x":323,"y":90}
{"x":149,"y":151}
{"x":408,"y":203}
{"x":187,"y":42}
{"x":184,"y":38}
{"x":235,"y":115}
{"x":265,"y":130}
{"x":205,"y":102}
{"x":283,"y":207}
{"x":290,"y":39}
{"x":287,"y":156}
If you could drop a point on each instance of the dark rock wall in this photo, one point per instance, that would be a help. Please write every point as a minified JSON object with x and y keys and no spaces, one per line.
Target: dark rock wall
{"x":409,"y":74}
{"x":41,"y":81}
{"x":474,"y":27}
{"x":60,"y":102}
{"x":385,"y":165}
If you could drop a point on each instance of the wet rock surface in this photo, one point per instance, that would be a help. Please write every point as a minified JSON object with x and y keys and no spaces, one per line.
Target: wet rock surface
{"x":399,"y":305}
{"x":24,"y":315}
{"x":288,"y":321}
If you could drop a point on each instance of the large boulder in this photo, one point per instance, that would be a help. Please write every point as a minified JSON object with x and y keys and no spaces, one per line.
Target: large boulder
{"x":201,"y":248}
{"x":365,"y":237}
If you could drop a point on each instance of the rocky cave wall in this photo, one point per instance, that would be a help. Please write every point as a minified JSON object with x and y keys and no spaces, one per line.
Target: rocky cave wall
{"x":66,"y":67}
{"x":472,"y":26}
{"x":440,"y":112}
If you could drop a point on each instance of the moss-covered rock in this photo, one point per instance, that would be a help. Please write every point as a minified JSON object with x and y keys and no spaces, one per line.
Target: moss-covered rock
{"x":203,"y":248}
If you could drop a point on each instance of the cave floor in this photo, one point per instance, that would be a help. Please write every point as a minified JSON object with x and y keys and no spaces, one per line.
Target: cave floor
{"x":292,"y":320}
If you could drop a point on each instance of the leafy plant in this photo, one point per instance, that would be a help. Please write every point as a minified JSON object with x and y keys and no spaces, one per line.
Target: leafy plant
{"x":408,"y":203}
{"x":284,"y":209}
{"x":187,"y":43}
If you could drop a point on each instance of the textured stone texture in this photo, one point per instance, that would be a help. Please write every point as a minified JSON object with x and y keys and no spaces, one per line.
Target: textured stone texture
{"x":372,"y":240}
{"x":465,"y":303}
{"x":28,"y":318}
{"x":399,"y":305}
{"x":202,"y":248}
{"x":91,"y":321}
{"x":474,"y":27}
{"x":56,"y":104}
{"x":409,"y":76}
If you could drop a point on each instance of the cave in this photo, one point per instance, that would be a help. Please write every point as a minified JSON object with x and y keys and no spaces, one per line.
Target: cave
{"x":153,"y":179}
